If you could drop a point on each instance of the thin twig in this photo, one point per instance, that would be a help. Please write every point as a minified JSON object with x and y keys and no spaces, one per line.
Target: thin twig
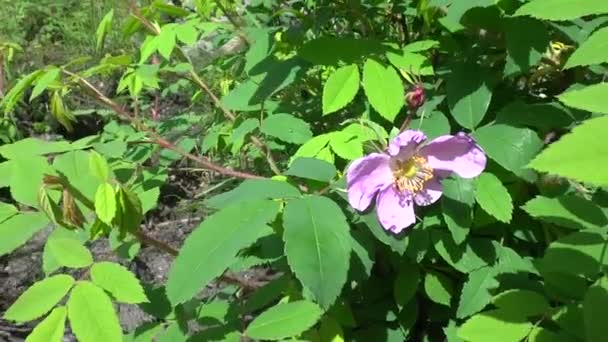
{"x":156,"y":138}
{"x":230,"y":116}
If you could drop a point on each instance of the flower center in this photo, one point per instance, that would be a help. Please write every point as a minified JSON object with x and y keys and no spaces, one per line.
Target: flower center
{"x":411,"y":175}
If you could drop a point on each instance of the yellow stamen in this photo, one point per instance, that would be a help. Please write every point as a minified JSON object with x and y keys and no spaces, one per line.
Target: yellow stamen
{"x":411,"y":175}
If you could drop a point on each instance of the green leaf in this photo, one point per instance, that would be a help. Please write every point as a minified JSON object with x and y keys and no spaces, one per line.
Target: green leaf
{"x":522,"y":302}
{"x":129,"y":211}
{"x":562,"y":9}
{"x":313,"y":146}
{"x":539,"y":115}
{"x":51,"y":329}
{"x":329,"y":50}
{"x":26,"y":178}
{"x":7,"y":211}
{"x":433,"y":124}
{"x":105,"y":203}
{"x":406,"y":284}
{"x":44,"y":81}
{"x":166,"y":41}
{"x":92,"y":315}
{"x":34,"y":147}
{"x":340,"y":88}
{"x":99,"y":166}
{"x":439,"y":288}
{"x":468,"y":257}
{"x":595,"y":309}
{"x":254,"y":189}
{"x":75,"y":166}
{"x":312,"y":168}
{"x":421,"y":45}
{"x":39,"y":298}
{"x":567,"y":211}
{"x":213,"y":245}
{"x":580,"y":253}
{"x":260,"y":41}
{"x":15,"y":95}
{"x":317,"y":246}
{"x":457,"y":203}
{"x":119,"y":281}
{"x":578,"y":155}
{"x":469,"y":95}
{"x":284,"y":320}
{"x":476,"y":291}
{"x":512,"y":148}
{"x":287,"y":127}
{"x":395,"y":243}
{"x":490,"y":324}
{"x":593,"y":98}
{"x":239,"y":133}
{"x":411,"y":63}
{"x":493,"y":197}
{"x":591,"y":51}
{"x":102,"y":29}
{"x":346,"y":145}
{"x":527,"y":41}
{"x":69,"y":252}
{"x":383,"y":88}
{"x":16,"y":230}
{"x":186,"y":33}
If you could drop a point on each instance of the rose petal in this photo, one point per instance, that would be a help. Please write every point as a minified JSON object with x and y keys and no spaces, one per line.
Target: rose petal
{"x":430,"y":194}
{"x":405,"y":144}
{"x":458,"y":153}
{"x":365,"y":176}
{"x":395,"y":210}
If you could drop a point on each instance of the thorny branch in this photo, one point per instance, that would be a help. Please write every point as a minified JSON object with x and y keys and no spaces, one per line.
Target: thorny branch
{"x":155,"y":137}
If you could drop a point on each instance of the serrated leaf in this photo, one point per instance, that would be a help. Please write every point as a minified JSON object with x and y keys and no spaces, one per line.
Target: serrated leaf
{"x":527,"y":41}
{"x":312,"y":168}
{"x":476,"y":291}
{"x":186,"y":33}
{"x":51,"y":329}
{"x":469,"y":95}
{"x":16,"y":230}
{"x":346,"y":146}
{"x":383,"y":88}
{"x":457,"y":203}
{"x":39,"y":298}
{"x":438,"y":288}
{"x":578,"y":155}
{"x":287,"y":127}
{"x":119,"y":281}
{"x":411,"y":63}
{"x":522,"y":302}
{"x":539,"y":115}
{"x":317,"y":246}
{"x":511,"y":147}
{"x":562,"y":9}
{"x":406,"y":284}
{"x":488,"y":325}
{"x":44,"y":81}
{"x":284,"y":320}
{"x":213,"y":245}
{"x":254,"y":189}
{"x":75,"y":166}
{"x":99,"y":166}
{"x":591,"y":51}
{"x":69,"y":252}
{"x":567,"y":211}
{"x":493,"y":197}
{"x":105,"y":203}
{"x":26,"y":178}
{"x":593,"y":98}
{"x":166,"y":41}
{"x":433,"y":125}
{"x":595,"y":307}
{"x":92,"y":315}
{"x":467,"y":257}
{"x":579,"y":253}
{"x":340,"y":88}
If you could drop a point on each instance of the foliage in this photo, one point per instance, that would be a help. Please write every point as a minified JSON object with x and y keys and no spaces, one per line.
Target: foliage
{"x":285,"y":97}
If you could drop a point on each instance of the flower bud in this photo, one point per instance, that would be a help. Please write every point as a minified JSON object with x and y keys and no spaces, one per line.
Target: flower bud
{"x":415,"y":97}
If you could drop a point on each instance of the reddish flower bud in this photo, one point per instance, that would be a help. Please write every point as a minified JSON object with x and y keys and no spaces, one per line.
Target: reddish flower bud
{"x":415,"y":97}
